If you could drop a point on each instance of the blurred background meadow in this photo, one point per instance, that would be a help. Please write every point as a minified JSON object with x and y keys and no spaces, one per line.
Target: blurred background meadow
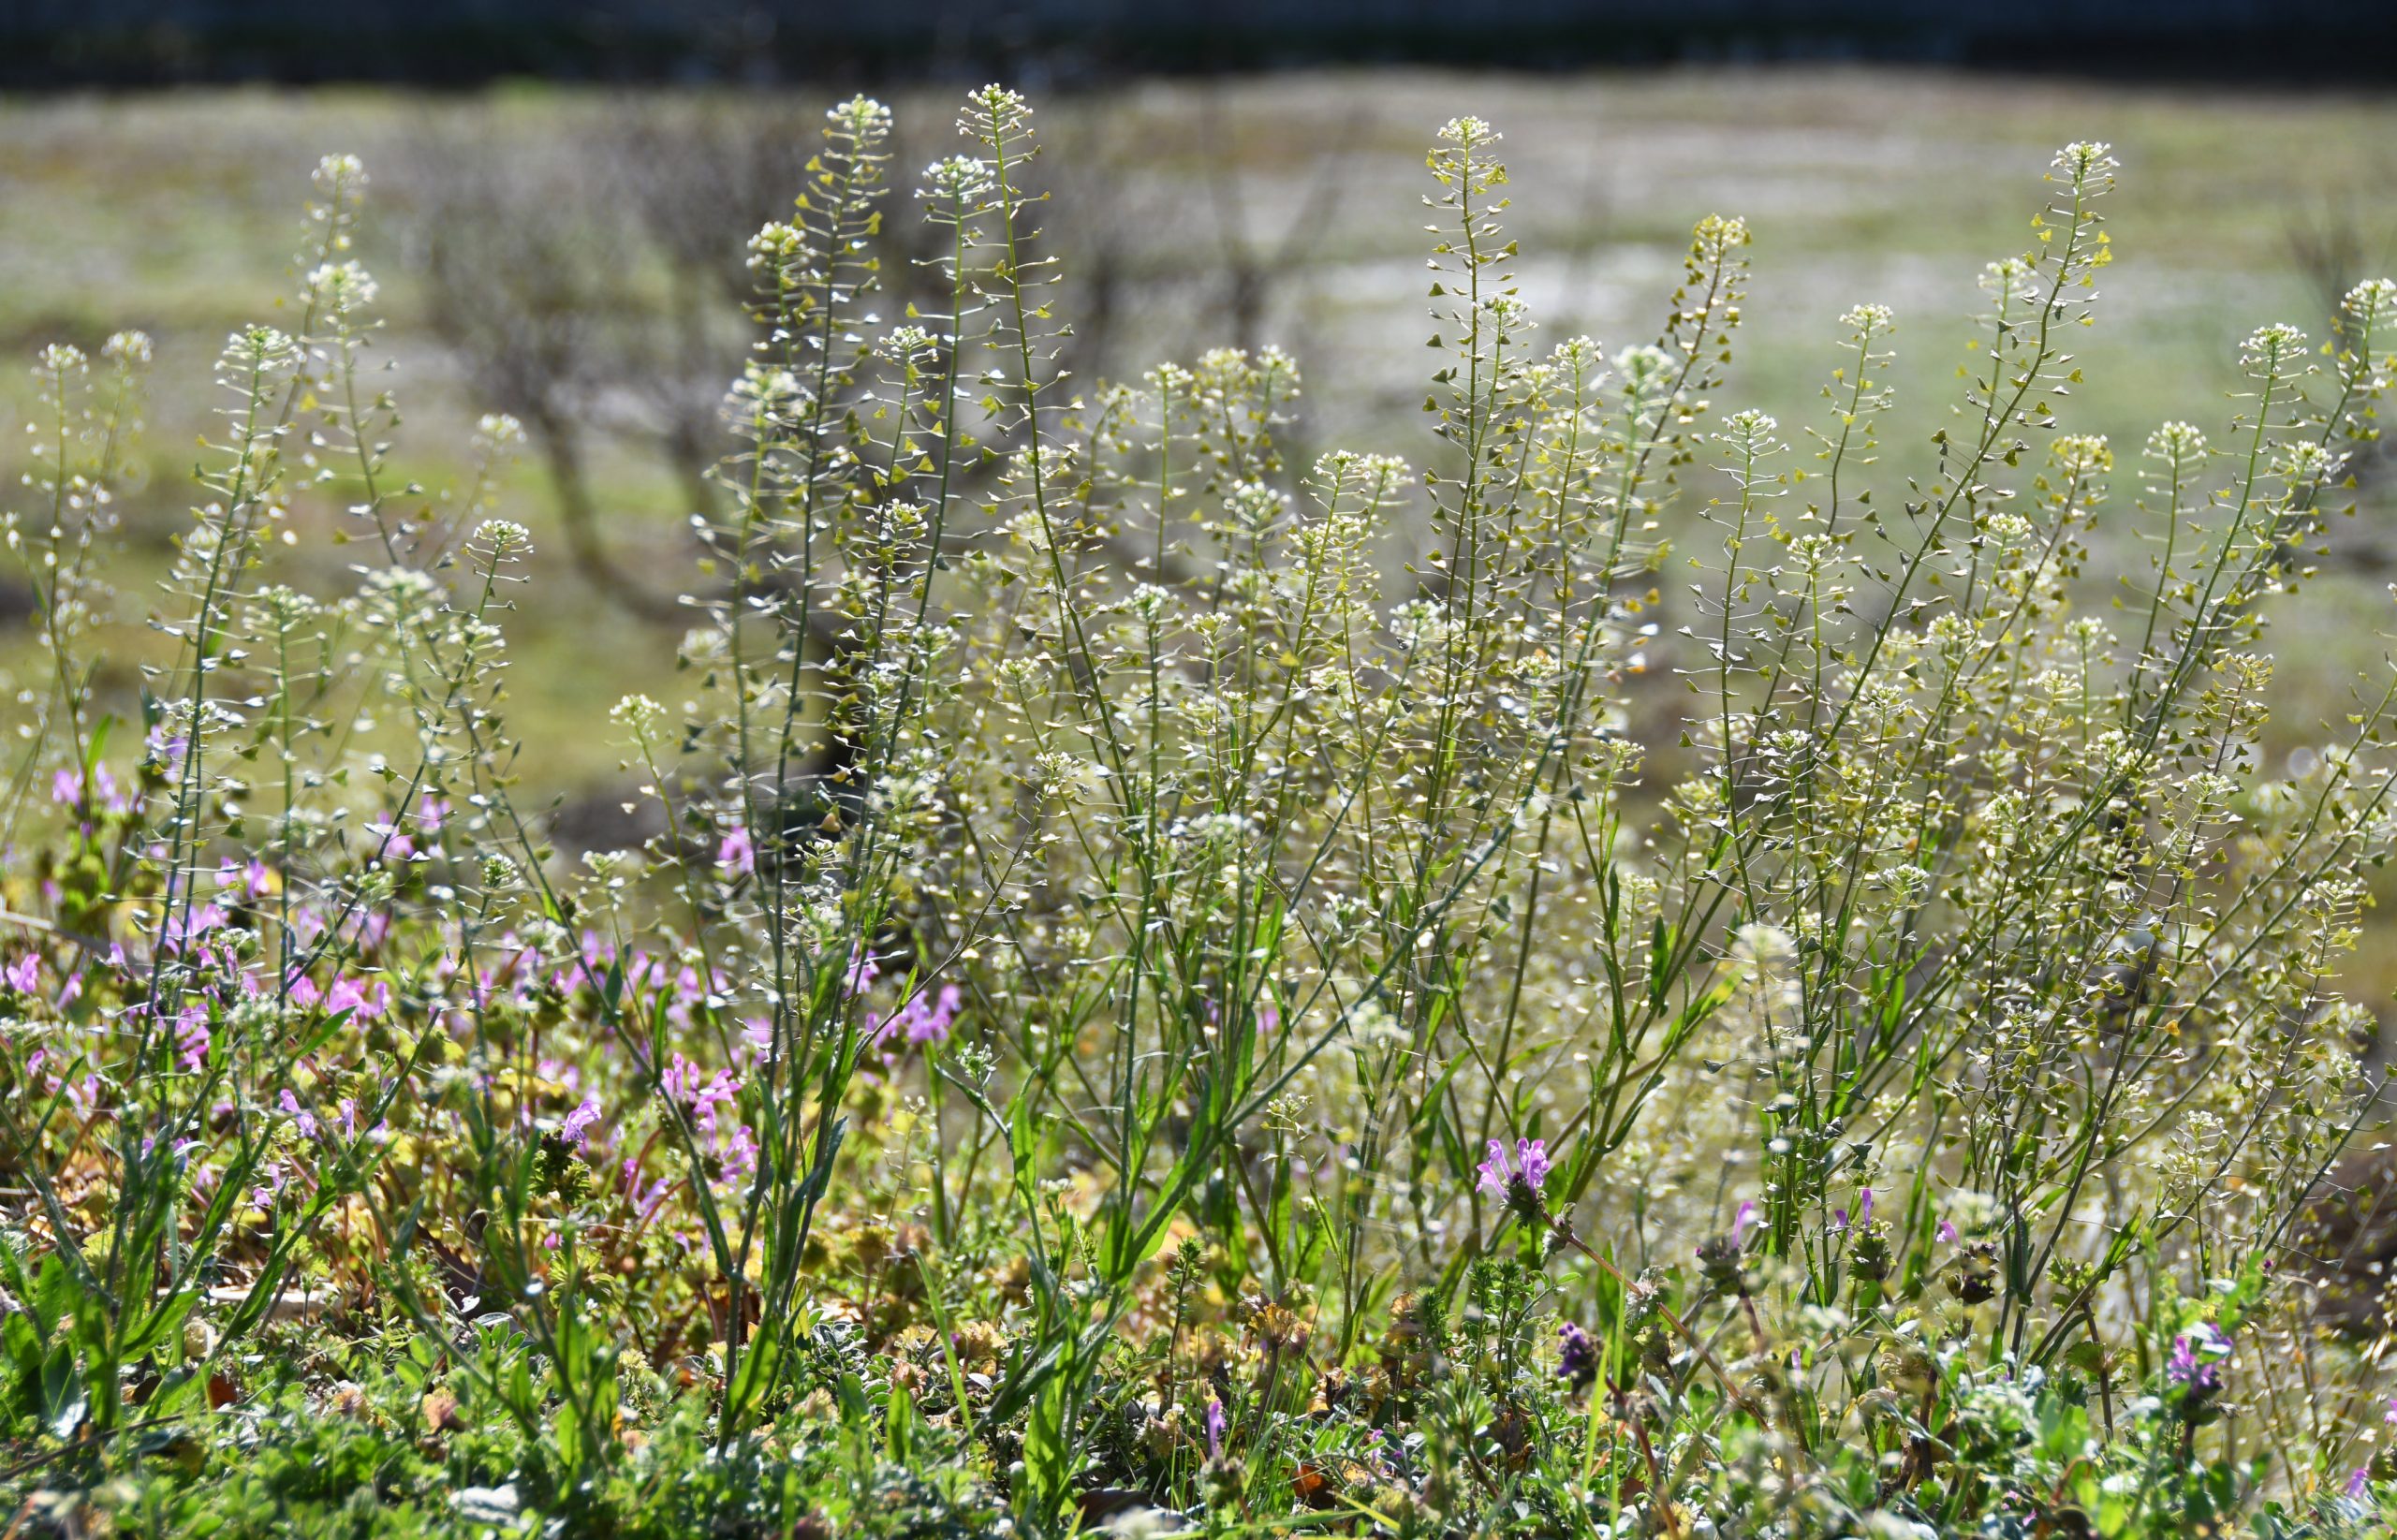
{"x":572,"y":253}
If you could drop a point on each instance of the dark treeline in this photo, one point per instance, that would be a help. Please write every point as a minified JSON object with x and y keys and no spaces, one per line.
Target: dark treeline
{"x":1063,"y":42}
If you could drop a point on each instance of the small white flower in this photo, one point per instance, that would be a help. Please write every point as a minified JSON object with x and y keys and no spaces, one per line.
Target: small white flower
{"x":257,"y":350}
{"x":962,"y":179}
{"x":2270,"y":348}
{"x":636,"y":712}
{"x":1468,"y":133}
{"x":502,"y":537}
{"x":343,"y":288}
{"x":2176,"y":441}
{"x":2087,"y":163}
{"x":130,"y":348}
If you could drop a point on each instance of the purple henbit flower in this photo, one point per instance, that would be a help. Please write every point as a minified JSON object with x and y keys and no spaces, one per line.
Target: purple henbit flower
{"x":24,"y":974}
{"x":683,"y":1083}
{"x":167,"y":749}
{"x":301,"y":1115}
{"x":1576,"y":1363}
{"x":1719,"y":1258}
{"x":645,"y":1201}
{"x":2198,"y":1375}
{"x":191,"y":1038}
{"x":348,"y":994}
{"x":738,"y":854}
{"x":68,"y":789}
{"x":1531,"y":1159}
{"x":926,"y":1018}
{"x":2360,"y":1483}
{"x":1494,"y":1171}
{"x":1216,"y":1429}
{"x":252,"y":881}
{"x":577,"y":1122}
{"x":930,"y":1022}
{"x":741,"y":1154}
{"x":368,"y":929}
{"x":1518,"y":1181}
{"x":182,"y":930}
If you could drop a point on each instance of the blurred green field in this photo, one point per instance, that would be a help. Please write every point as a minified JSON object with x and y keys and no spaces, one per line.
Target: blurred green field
{"x":1274,"y":210}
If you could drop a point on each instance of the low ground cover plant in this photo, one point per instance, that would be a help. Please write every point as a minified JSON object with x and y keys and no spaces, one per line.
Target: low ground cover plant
{"x":1660,"y":970}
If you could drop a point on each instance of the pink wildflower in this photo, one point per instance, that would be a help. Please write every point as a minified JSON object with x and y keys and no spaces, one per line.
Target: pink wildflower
{"x":741,"y":1152}
{"x":68,"y":789}
{"x":191,"y":1038}
{"x":576,"y":1130}
{"x":928,"y":1018}
{"x":682,"y":1085}
{"x":348,"y":994}
{"x":1494,"y":1171}
{"x":250,"y":881}
{"x":182,"y":930}
{"x":1530,"y":1166}
{"x":306,"y":1120}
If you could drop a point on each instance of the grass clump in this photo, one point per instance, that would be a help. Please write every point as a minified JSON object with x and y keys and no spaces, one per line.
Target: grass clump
{"x":1714,"y":993}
